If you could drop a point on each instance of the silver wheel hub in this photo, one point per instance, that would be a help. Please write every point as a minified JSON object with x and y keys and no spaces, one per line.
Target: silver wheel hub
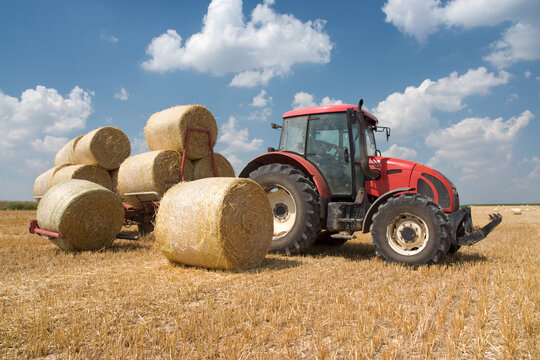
{"x":407,"y":234}
{"x":284,"y":209}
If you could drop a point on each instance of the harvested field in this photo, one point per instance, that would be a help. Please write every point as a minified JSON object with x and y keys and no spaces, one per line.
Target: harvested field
{"x":334,"y":303}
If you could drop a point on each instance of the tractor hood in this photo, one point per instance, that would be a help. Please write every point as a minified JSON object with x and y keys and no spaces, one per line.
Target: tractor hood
{"x":398,"y":173}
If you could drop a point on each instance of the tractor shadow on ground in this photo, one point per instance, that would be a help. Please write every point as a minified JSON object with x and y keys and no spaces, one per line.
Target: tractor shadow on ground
{"x":273,"y":263}
{"x":462,"y":258}
{"x":349,"y":250}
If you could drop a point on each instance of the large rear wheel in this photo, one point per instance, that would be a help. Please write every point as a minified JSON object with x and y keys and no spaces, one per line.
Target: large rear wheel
{"x":411,"y":229}
{"x":295,"y":205}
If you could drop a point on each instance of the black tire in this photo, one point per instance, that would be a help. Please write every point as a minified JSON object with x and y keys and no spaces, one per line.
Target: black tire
{"x":411,"y":229}
{"x":300,"y":197}
{"x":145,"y":228}
{"x":324,"y":238}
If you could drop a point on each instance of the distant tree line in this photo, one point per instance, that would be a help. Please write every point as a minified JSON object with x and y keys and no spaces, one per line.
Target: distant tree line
{"x":18,"y":205}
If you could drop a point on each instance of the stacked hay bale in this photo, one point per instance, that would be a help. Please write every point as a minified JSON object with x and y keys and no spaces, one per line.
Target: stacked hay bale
{"x":222,"y":223}
{"x":168,"y":130}
{"x":154,"y":171}
{"x":87,"y":214}
{"x":87,"y":157}
{"x":66,"y":155}
{"x":167,"y":137}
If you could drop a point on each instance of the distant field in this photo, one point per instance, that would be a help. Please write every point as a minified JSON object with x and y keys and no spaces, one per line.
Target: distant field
{"x":334,"y":303}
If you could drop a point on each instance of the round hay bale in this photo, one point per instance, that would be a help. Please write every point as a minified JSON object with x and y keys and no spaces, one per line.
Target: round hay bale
{"x":107,"y":147}
{"x":516,"y":211}
{"x":88,"y":215}
{"x":167,"y":129}
{"x":221,"y":223}
{"x":44,"y":182}
{"x":155,"y":171}
{"x":202,"y":168}
{"x":66,"y":155}
{"x":93,"y":173}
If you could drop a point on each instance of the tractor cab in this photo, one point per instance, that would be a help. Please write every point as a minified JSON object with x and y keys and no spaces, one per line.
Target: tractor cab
{"x":333,"y":140}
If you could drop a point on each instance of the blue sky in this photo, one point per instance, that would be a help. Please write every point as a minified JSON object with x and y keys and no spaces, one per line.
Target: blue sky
{"x":458,"y":81}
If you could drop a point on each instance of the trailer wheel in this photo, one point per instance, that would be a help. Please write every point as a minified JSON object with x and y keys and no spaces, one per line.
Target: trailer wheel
{"x":411,"y":229}
{"x":295,"y":205}
{"x":145,"y":228}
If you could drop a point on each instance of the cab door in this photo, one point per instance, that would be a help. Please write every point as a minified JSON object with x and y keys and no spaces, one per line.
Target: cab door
{"x":327,"y":147}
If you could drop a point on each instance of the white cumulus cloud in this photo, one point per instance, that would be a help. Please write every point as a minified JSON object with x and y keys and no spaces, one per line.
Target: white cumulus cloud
{"x":401,"y":152}
{"x":261,"y":100}
{"x":520,"y":41}
{"x":122,"y":94}
{"x":412,"y":110}
{"x":237,"y":140}
{"x":267,"y":45}
{"x":477,"y":147}
{"x":304,"y":100}
{"x":237,"y":143}
{"x":36,"y":123}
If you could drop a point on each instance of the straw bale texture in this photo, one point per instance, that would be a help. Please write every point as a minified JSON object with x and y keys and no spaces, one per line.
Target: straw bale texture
{"x":166,"y":130}
{"x":66,"y":155}
{"x":151,"y":171}
{"x":44,"y":182}
{"x":114,"y":180}
{"x":107,"y":147}
{"x":222,"y":223}
{"x":93,"y":173}
{"x":86,"y":213}
{"x":202,"y":168}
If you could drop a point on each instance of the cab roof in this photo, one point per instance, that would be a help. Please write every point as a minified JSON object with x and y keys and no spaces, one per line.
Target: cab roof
{"x":327,"y":109}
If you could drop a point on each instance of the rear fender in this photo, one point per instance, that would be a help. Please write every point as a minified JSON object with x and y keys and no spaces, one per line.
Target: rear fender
{"x":297,"y":161}
{"x":375,"y":206}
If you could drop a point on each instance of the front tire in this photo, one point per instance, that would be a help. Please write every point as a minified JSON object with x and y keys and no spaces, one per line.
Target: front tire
{"x":411,"y":229}
{"x":295,"y":205}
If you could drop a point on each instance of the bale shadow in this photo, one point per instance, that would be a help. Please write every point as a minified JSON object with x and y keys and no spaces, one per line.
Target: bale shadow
{"x":268,"y":264}
{"x":129,"y":245}
{"x":349,"y":250}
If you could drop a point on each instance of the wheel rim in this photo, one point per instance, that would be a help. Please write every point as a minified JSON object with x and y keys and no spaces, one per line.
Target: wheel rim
{"x":407,"y":234}
{"x":284,"y":209}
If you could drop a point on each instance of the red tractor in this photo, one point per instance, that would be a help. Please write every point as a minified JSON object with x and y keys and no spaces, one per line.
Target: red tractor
{"x":327,"y":180}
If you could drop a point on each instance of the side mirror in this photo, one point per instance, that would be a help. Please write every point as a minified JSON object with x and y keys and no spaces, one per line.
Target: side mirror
{"x":275,"y":126}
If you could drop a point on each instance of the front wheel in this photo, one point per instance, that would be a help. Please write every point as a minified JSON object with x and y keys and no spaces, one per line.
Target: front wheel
{"x":295,"y":205}
{"x":411,"y":229}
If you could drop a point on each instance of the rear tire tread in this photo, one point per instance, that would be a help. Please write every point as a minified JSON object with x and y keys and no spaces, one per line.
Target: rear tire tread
{"x":311,"y":201}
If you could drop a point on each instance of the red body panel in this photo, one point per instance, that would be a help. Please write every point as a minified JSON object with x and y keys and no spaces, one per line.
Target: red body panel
{"x":326,"y":109}
{"x":392,"y":178}
{"x":279,"y":157}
